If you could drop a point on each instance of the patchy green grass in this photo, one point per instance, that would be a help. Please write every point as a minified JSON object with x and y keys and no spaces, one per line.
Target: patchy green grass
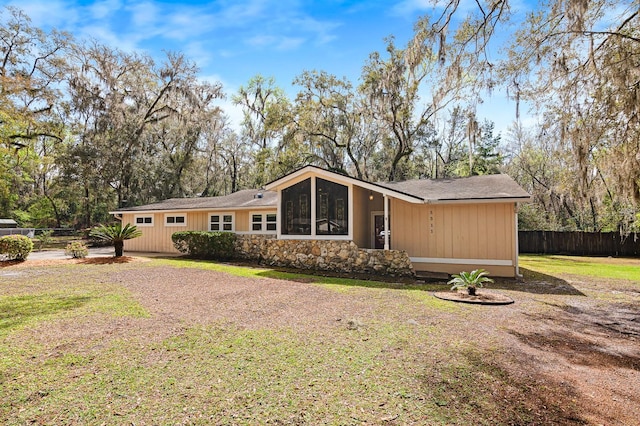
{"x":258,"y":272}
{"x":598,"y":267}
{"x":18,"y":311}
{"x":412,"y":359}
{"x":224,"y":375}
{"x":61,"y":292}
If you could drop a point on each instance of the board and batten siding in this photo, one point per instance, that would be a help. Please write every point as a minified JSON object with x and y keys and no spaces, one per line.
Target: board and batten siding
{"x":456,"y":237}
{"x":157,"y":238}
{"x":361,"y":217}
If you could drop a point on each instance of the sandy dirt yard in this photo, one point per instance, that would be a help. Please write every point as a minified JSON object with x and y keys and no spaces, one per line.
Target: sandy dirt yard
{"x":567,"y":350}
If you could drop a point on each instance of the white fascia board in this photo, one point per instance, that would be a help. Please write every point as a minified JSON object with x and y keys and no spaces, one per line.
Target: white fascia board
{"x":346,"y":180}
{"x":208,"y":209}
{"x":480,"y":201}
{"x":272,"y":186}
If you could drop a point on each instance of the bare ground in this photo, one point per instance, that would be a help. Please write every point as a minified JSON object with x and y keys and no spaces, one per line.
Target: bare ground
{"x":570,"y":347}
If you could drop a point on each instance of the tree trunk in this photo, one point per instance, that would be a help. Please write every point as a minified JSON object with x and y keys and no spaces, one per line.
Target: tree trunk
{"x":119,"y":246}
{"x":471,"y":290}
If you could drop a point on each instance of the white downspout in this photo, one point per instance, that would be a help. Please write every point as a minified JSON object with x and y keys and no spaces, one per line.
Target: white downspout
{"x":386,"y":222}
{"x":517,"y":242}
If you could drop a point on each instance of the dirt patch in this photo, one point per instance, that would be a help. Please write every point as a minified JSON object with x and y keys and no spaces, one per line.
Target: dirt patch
{"x":71,"y":261}
{"x":583,"y":354}
{"x":567,"y":353}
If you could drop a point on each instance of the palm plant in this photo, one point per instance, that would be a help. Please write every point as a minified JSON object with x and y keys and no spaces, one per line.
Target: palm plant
{"x":115,"y":235}
{"x":470,"y":280}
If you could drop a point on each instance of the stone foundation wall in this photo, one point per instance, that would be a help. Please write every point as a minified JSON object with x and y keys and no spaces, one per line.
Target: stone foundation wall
{"x":326,"y":255}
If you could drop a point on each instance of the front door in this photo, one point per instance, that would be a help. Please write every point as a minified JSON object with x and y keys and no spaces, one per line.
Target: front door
{"x":379,"y":231}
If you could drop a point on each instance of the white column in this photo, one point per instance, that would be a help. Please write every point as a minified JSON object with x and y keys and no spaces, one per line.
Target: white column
{"x":386,"y":223}
{"x":312,"y":206}
{"x":279,"y":215}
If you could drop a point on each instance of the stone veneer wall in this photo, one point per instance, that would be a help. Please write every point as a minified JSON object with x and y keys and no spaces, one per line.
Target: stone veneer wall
{"x":327,"y":255}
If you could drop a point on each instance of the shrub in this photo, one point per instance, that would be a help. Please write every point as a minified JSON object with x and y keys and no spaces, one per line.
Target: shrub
{"x":16,"y":247}
{"x":115,"y":235}
{"x":76,"y":249}
{"x":470,"y":280}
{"x":45,"y":238}
{"x":205,"y":245}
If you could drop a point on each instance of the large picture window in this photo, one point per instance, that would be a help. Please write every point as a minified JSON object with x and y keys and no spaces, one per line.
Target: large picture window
{"x":332,"y":208}
{"x":296,"y":205}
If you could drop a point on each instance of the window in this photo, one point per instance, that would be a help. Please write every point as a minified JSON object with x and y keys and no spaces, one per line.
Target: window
{"x":143,"y":220}
{"x":296,"y":217}
{"x":222,"y":222}
{"x":175,"y":220}
{"x":332,"y":210}
{"x":263,"y":222}
{"x":272,"y":221}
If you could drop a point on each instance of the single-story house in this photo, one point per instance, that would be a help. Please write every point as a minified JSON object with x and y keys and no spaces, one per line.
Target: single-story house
{"x":443,"y":225}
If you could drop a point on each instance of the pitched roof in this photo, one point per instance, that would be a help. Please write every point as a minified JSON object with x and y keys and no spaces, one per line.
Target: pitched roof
{"x":485,"y":187}
{"x":246,"y":198}
{"x":465,"y":189}
{"x":498,"y":187}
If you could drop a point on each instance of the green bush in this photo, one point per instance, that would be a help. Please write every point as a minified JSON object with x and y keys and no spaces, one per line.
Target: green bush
{"x":45,"y":238}
{"x":15,"y":247}
{"x":205,"y":245}
{"x":76,"y":249}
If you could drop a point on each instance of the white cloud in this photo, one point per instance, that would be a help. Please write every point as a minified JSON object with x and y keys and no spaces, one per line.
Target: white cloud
{"x":108,"y":37}
{"x":144,"y":15}
{"x":289,"y":43}
{"x":265,"y":24}
{"x":409,"y":7}
{"x":53,"y":13}
{"x":275,"y":42}
{"x":104,"y":9}
{"x":196,"y":51}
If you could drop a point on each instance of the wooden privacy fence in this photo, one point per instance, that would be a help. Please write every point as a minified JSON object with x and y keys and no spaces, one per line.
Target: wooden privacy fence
{"x":579,"y":243}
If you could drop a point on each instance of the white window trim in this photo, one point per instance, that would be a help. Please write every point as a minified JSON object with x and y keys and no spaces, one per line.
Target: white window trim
{"x":263,"y":222}
{"x":313,"y":236}
{"x":167,"y":215}
{"x":222,"y":214}
{"x":135,"y":220}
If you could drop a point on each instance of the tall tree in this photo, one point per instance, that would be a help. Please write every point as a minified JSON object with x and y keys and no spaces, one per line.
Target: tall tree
{"x":578,"y":62}
{"x":329,"y":112}
{"x":139,"y":124}
{"x":264,"y":107}
{"x":32,"y":64}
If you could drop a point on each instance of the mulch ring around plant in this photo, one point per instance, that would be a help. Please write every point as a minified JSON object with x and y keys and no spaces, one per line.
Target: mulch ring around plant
{"x":481,"y":297}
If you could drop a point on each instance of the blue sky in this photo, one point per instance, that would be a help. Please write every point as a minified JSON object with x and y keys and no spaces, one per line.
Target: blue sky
{"x":231,"y":41}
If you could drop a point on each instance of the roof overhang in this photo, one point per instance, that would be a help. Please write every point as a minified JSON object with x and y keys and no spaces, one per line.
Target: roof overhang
{"x":481,"y":200}
{"x":336,"y":177}
{"x":199,"y":209}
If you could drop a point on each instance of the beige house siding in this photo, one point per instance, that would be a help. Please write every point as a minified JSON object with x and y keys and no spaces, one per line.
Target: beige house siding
{"x":361,"y":217}
{"x":476,"y":231}
{"x":157,"y":238}
{"x":455,"y":237}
